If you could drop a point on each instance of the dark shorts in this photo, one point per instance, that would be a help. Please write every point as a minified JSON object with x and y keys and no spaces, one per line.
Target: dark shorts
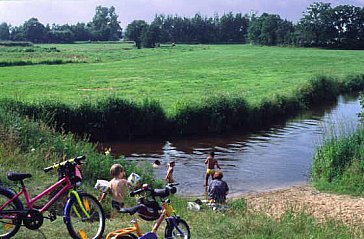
{"x":117,"y":205}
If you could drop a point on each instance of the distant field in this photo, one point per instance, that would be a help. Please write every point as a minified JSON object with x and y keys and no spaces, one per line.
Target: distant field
{"x":169,"y":74}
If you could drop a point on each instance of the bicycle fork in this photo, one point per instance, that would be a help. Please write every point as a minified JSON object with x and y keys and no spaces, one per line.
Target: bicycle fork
{"x":83,"y":205}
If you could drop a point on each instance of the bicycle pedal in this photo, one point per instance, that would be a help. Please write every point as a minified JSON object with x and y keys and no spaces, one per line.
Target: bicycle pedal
{"x":52,"y":216}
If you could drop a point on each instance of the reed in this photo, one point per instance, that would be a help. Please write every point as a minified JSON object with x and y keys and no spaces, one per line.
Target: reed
{"x":339,"y":166}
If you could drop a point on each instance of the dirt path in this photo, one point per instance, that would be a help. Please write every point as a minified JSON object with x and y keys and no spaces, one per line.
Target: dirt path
{"x":323,"y":206}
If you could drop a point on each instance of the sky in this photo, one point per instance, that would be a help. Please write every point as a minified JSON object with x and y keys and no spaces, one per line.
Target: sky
{"x":16,"y":12}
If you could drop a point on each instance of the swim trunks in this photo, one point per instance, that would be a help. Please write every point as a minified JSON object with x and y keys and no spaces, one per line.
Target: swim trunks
{"x":210,"y":171}
{"x":117,"y":205}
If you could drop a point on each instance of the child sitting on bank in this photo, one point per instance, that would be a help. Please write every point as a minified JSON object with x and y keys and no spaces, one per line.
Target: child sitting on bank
{"x":117,"y":187}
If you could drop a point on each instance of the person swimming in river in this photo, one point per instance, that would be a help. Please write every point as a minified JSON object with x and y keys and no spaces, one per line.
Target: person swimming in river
{"x":211,"y":162}
{"x":156,"y":164}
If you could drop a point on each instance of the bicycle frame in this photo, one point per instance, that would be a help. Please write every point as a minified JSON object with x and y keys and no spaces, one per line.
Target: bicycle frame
{"x":65,"y":183}
{"x":125,"y":231}
{"x":168,"y":209}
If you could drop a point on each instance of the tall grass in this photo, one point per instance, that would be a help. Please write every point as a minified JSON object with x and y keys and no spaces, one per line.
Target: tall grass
{"x":21,"y":54}
{"x":339,"y":164}
{"x":15,"y":43}
{"x":27,"y":145}
{"x":114,"y":118}
{"x":215,"y":115}
{"x":110,"y":118}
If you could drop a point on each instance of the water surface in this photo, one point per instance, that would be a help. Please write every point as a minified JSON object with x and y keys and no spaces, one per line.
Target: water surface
{"x":270,"y":159}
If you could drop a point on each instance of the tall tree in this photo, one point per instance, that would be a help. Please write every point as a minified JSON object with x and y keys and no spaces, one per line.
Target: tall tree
{"x":233,"y":28}
{"x":316,"y":27}
{"x":285,"y":32}
{"x":4,"y":31}
{"x":134,"y":31}
{"x":105,"y":25}
{"x":348,"y":22}
{"x":151,"y":35}
{"x":81,"y":32}
{"x":270,"y":29}
{"x":33,"y":30}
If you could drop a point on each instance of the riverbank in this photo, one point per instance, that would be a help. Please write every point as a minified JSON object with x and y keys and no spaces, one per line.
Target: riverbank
{"x":322,"y":206}
{"x":213,"y":89}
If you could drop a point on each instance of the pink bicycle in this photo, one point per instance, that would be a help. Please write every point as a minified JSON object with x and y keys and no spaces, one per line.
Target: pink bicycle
{"x":82,"y":213}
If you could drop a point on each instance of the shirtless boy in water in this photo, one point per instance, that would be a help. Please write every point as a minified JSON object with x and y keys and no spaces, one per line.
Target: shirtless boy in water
{"x":211,"y":162}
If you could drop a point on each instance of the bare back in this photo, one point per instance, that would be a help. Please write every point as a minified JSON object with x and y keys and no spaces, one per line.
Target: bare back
{"x":211,"y":162}
{"x":118,"y":189}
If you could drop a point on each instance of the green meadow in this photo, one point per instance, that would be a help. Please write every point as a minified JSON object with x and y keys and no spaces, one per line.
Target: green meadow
{"x":169,"y":75}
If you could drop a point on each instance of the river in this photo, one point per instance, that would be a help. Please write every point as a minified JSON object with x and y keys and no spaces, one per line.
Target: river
{"x":278,"y":157}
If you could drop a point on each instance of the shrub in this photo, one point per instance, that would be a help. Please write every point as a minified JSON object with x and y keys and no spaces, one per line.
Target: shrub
{"x":319,"y":89}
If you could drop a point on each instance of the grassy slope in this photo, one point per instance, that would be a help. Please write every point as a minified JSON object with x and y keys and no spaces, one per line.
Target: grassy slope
{"x":235,"y":223}
{"x":173,"y":74}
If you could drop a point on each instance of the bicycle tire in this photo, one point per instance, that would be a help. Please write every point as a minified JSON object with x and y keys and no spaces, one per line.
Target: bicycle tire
{"x":83,"y":227}
{"x":172,"y":232}
{"x":5,"y":195}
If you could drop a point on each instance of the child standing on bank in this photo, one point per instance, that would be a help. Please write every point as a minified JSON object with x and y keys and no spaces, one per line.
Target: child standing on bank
{"x":118,"y":186}
{"x":211,"y":163}
{"x":169,"y":176}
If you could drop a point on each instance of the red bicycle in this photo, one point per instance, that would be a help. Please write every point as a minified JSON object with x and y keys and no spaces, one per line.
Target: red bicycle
{"x":82,"y":213}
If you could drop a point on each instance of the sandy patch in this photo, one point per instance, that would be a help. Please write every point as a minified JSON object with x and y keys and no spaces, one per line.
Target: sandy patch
{"x":346,"y":209}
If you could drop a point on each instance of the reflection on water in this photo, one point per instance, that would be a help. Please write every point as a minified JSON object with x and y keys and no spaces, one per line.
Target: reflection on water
{"x":278,"y":157}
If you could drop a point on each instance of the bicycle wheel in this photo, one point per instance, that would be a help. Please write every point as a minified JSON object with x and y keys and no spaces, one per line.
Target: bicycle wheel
{"x":180,"y":230}
{"x":78,"y":224}
{"x":9,"y":227}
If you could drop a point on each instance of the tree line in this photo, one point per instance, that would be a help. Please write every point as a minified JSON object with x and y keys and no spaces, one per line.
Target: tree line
{"x":103,"y":27}
{"x":320,"y":26}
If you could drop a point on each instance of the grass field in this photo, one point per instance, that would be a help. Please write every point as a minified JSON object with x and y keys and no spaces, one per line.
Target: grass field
{"x":170,"y":74}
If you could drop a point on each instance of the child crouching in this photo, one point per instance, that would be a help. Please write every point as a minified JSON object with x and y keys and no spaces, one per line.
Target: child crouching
{"x":117,"y":187}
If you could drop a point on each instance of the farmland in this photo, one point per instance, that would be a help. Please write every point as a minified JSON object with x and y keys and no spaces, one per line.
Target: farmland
{"x":169,"y":75}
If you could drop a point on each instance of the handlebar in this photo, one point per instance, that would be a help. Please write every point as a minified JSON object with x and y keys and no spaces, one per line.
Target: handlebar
{"x":78,"y":160}
{"x":164,"y":192}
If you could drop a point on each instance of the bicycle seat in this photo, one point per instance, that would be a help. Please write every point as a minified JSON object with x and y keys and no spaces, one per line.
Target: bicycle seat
{"x":13,"y":176}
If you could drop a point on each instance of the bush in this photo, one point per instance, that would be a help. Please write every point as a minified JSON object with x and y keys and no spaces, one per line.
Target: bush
{"x":319,"y":89}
